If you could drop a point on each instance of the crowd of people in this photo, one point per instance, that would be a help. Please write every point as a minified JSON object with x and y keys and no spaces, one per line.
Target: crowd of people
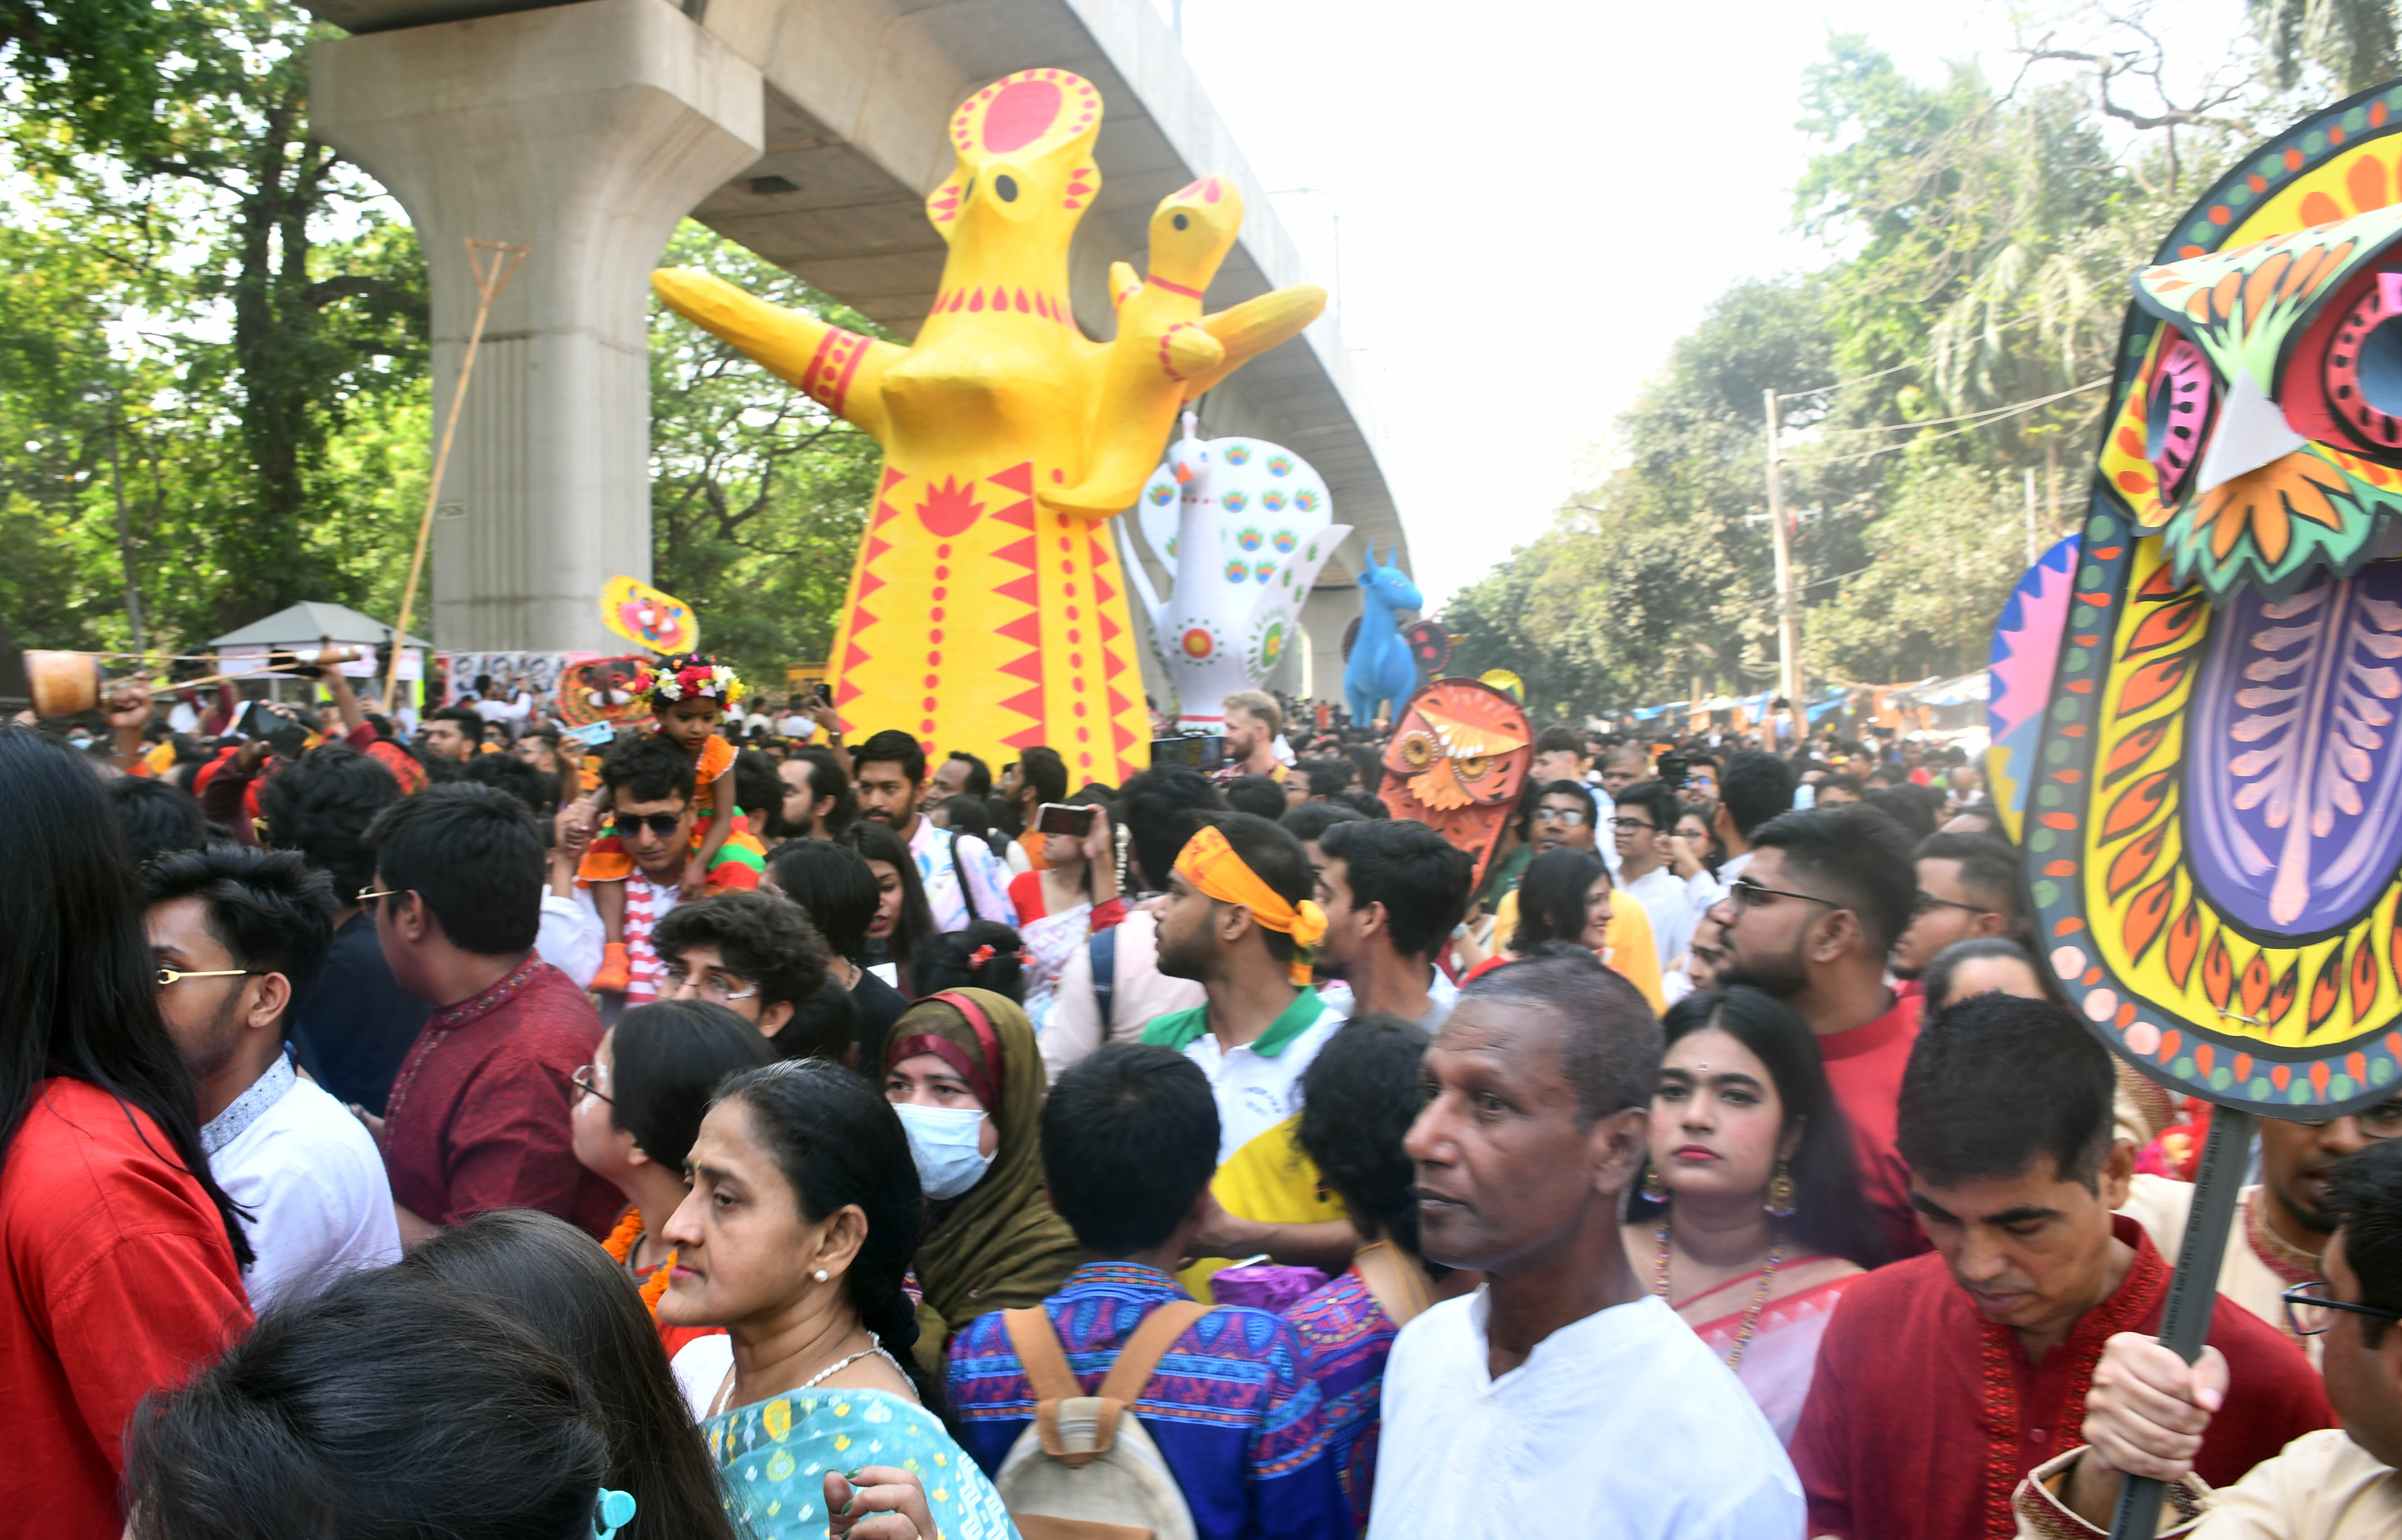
{"x":472,"y":1131}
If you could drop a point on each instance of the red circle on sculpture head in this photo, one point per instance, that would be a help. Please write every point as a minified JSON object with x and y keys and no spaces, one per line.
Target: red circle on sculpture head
{"x":1020,"y":114}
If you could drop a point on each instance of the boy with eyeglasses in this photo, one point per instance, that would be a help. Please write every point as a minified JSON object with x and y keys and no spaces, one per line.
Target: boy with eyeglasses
{"x":756,"y":954}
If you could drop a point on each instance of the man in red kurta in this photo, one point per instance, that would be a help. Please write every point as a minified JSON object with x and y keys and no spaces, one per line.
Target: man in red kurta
{"x":1944,"y":1379}
{"x":480,"y":1113}
{"x":1822,"y":900}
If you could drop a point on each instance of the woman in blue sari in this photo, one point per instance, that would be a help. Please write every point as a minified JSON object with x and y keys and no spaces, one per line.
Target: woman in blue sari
{"x":804,"y":1210}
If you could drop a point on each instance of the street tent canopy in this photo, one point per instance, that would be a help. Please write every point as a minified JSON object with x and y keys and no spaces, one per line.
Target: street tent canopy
{"x":307,"y":622}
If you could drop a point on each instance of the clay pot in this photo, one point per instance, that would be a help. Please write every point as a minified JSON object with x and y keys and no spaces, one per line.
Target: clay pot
{"x":62,"y":682}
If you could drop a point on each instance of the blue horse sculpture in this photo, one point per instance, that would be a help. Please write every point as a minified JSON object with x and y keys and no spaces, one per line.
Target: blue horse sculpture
{"x":1381,"y":667}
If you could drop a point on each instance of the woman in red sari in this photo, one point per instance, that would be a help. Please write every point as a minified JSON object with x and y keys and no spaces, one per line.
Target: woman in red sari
{"x":1750,"y":1222}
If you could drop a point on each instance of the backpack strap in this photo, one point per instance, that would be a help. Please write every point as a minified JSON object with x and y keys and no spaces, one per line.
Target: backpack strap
{"x":1036,"y":1343}
{"x":967,"y":889}
{"x":1104,"y":949}
{"x":1399,"y":1289}
{"x":1143,"y":1350}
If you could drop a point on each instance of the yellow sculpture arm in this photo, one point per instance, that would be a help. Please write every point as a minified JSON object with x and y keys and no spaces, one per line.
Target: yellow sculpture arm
{"x":842,"y":371}
{"x":1254,"y":326}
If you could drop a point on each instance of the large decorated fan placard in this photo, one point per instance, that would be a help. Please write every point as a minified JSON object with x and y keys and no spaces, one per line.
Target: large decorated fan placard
{"x":1457,"y":762}
{"x":2213,"y":806}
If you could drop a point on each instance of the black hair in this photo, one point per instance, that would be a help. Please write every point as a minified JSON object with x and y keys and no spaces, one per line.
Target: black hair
{"x":1261,"y":796}
{"x":1552,"y":897}
{"x":1843,"y":782}
{"x":667,"y":1060}
{"x":1162,"y":807}
{"x":651,"y":766}
{"x":509,"y":774}
{"x":1044,"y":770}
{"x":891,"y":747}
{"x":1326,"y":776}
{"x":1989,"y":867}
{"x":1534,"y":794}
{"x":157,"y":816}
{"x":913,"y":929}
{"x":473,"y":855}
{"x":1654,"y":801}
{"x":379,"y":1408}
{"x":830,"y":881}
{"x":1609,"y":1043}
{"x":1358,"y":1099}
{"x":1830,"y":1214}
{"x":79,"y":985}
{"x":1906,"y":805}
{"x":2365,"y":1195}
{"x":1859,"y":857}
{"x":1935,"y":979}
{"x":839,"y":1142}
{"x":760,"y":937}
{"x":823,"y":1026}
{"x":544,"y":1271}
{"x":1366,"y":803}
{"x":826,"y":778}
{"x":1312,"y":819}
{"x":1559,"y":739}
{"x":979,"y":782}
{"x":1130,"y":1140}
{"x":320,"y":805}
{"x":965,"y":814}
{"x":1998,"y":1081}
{"x":1278,"y":859}
{"x":950,"y":961}
{"x":269,"y":909}
{"x":1369,"y":761}
{"x":758,"y":788}
{"x":1422,"y":879}
{"x":1756,"y":786}
{"x":469,"y":720}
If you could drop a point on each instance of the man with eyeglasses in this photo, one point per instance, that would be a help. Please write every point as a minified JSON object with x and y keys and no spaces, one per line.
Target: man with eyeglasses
{"x":756,"y":954}
{"x":1822,"y":900}
{"x":1967,"y":886}
{"x":239,"y":933}
{"x":650,"y":785}
{"x":2149,"y":1411}
{"x":1642,"y":824}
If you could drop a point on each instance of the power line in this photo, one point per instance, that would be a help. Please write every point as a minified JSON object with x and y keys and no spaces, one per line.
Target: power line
{"x":1982,"y":420}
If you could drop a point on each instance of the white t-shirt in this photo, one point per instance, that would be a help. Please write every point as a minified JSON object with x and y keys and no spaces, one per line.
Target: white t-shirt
{"x":1623,"y":1425}
{"x":1668,"y":902}
{"x":1255,"y":1091}
{"x":1441,"y":994}
{"x":311,"y":1180}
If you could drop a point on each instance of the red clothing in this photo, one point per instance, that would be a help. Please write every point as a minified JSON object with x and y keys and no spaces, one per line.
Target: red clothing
{"x":479,"y":1116}
{"x":1923,"y":1414}
{"x":119,"y":1281}
{"x":1025,"y":893}
{"x":1864,"y":1069}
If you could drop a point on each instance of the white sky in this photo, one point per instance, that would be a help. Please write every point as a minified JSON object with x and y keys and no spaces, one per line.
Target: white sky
{"x":1537,"y":197}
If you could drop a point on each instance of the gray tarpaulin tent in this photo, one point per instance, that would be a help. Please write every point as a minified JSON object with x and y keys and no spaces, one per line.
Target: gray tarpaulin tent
{"x":308,"y":622}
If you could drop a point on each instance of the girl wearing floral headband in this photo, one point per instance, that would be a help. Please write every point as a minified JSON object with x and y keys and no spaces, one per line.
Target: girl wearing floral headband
{"x":688,"y":693}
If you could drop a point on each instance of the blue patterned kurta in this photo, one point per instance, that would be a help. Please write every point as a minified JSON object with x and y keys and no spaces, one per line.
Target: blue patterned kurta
{"x":1230,"y":1406}
{"x":772,"y":1457}
{"x":1346,"y":1336}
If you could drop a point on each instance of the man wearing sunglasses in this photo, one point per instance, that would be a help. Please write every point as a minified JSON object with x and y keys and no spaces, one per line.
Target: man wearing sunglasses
{"x":1967,"y":886}
{"x":2148,"y":1411}
{"x":650,"y":785}
{"x":239,"y":934}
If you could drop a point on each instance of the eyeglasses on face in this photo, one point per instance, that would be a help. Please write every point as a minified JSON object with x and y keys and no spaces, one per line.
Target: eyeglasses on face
{"x":1746,"y":894}
{"x":370,"y":893}
{"x":1926,"y":901}
{"x":713,"y":986}
{"x":1633,"y":823}
{"x":2310,"y":1308}
{"x":588,"y":1081}
{"x":176,"y":975}
{"x":1575,"y":818}
{"x":626,"y":825}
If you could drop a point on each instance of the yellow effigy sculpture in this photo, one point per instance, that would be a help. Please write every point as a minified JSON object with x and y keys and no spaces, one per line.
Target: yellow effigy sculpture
{"x":986,"y":611}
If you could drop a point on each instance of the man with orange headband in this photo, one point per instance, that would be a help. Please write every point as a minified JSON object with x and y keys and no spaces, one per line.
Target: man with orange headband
{"x":1238,"y":920}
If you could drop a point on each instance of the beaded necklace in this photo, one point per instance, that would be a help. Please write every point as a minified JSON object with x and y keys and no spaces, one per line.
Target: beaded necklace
{"x":1758,"y":1295}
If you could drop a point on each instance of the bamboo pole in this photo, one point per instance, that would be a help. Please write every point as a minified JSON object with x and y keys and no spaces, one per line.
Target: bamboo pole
{"x":491,"y":277}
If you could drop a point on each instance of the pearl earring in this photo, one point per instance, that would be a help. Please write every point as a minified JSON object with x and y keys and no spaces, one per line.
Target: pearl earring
{"x":820,"y":1275}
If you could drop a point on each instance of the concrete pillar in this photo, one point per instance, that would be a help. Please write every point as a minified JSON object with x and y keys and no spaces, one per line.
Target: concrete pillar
{"x":584,"y":131}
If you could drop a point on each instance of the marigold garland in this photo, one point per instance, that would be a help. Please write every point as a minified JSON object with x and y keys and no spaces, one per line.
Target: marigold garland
{"x":620,"y":1247}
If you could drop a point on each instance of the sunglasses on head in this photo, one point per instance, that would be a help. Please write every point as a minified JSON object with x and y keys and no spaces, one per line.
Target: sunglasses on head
{"x":662,"y":824}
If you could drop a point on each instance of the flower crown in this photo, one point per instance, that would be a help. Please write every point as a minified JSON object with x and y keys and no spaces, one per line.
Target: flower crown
{"x":690,"y":676}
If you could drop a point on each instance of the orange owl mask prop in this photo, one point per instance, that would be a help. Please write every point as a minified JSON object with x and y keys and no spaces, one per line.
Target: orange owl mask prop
{"x":1457,"y":763}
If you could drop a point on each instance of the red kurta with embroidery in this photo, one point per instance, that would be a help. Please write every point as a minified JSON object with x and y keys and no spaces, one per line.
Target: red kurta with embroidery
{"x":479,"y":1114}
{"x":116,"y":1280}
{"x":1923,"y":1414}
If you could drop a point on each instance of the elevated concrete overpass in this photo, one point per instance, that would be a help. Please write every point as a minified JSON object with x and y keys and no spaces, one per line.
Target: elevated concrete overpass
{"x":809,"y":130}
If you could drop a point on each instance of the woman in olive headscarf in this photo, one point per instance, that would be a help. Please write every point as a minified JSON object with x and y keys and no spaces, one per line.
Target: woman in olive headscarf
{"x":963,"y":1072}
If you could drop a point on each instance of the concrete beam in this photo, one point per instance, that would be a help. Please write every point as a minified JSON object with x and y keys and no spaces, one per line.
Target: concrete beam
{"x":584,"y":132}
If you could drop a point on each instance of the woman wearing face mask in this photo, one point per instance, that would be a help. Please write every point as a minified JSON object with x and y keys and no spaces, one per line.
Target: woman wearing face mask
{"x":967,"y":1079}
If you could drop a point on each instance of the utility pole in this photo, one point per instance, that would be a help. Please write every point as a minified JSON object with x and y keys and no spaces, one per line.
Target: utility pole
{"x":124,"y":532}
{"x":2032,"y":552}
{"x":1788,"y":631}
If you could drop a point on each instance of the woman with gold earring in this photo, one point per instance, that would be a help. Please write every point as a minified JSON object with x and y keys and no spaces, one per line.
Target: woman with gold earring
{"x":1750,"y":1221}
